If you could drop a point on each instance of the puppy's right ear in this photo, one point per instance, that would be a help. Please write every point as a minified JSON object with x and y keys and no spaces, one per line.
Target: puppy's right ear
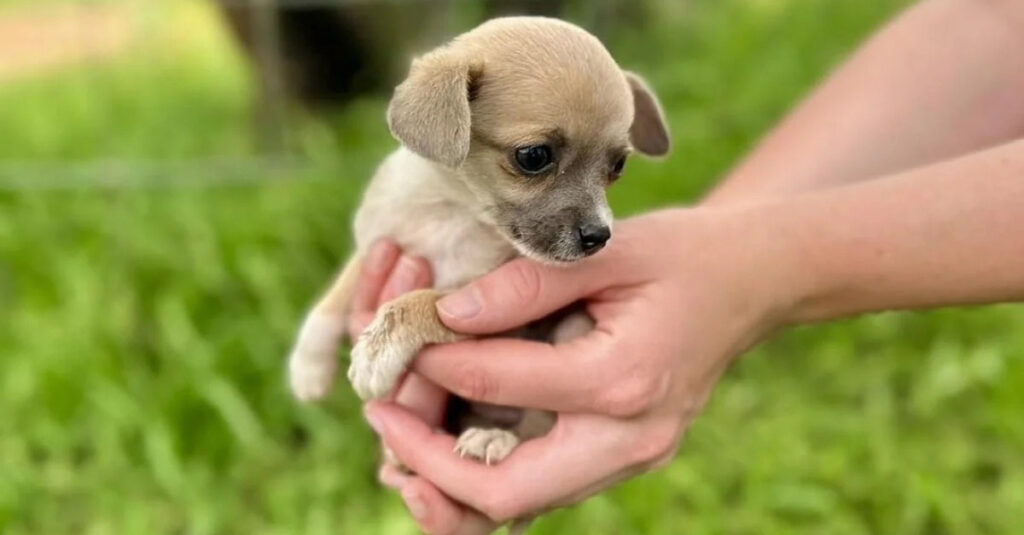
{"x":649,"y":133}
{"x":429,"y":112}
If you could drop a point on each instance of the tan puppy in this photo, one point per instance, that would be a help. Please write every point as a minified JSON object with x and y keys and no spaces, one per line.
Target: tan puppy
{"x":510,"y":135}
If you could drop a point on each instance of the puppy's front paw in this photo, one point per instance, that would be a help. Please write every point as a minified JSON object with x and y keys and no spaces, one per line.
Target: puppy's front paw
{"x":380,"y":357}
{"x":487,"y":445}
{"x":310,"y":375}
{"x":314,"y":361}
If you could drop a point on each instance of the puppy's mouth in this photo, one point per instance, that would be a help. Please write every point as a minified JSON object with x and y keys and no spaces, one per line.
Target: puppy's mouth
{"x":560,"y":247}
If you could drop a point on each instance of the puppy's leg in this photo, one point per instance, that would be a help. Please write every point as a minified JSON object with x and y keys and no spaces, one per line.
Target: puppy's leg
{"x":492,"y":444}
{"x":314,"y":359}
{"x":399,"y":330}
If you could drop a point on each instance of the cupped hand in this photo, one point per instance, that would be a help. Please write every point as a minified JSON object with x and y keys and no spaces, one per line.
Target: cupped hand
{"x":676,"y":295}
{"x":387,"y":274}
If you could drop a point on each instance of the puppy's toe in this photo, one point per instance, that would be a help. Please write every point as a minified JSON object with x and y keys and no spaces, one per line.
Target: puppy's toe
{"x":310,"y":376}
{"x":487,"y":445}
{"x":378,"y":361}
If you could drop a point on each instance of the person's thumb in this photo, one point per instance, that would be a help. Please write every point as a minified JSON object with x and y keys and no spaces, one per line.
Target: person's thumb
{"x":515,"y":294}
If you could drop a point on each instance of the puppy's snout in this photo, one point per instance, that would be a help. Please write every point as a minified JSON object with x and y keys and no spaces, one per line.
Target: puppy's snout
{"x":593,"y":237}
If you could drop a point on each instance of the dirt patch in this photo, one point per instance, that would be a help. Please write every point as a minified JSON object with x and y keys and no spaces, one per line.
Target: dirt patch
{"x":37,"y":39}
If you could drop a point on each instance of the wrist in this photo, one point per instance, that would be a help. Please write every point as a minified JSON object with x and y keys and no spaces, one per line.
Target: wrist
{"x":766,"y":250}
{"x":823,"y":263}
{"x":746,"y":259}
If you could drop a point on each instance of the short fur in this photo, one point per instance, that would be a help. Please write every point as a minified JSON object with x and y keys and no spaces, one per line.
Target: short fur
{"x":454,"y":194}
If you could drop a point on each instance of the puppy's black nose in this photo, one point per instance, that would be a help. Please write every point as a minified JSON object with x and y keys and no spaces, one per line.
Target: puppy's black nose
{"x":593,"y":237}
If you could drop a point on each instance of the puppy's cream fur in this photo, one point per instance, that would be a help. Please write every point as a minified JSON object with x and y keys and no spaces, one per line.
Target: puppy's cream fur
{"x":455,"y":194}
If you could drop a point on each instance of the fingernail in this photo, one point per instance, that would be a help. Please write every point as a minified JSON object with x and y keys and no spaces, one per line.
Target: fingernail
{"x":378,"y":254}
{"x":374,"y":418}
{"x":462,"y":304}
{"x":404,"y":278}
{"x":414,"y":503}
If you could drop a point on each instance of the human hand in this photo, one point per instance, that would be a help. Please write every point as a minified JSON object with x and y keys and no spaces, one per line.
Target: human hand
{"x":387,"y":274}
{"x":676,"y":295}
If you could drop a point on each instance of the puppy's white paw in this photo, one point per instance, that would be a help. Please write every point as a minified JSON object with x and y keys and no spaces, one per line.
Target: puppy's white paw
{"x":487,"y":445}
{"x":380,"y":357}
{"x":314,"y":361}
{"x":310,"y":375}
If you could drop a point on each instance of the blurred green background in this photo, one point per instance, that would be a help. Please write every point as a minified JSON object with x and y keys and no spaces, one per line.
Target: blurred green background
{"x":154,"y":264}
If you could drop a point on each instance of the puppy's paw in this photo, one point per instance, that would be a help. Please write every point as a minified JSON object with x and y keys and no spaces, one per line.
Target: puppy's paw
{"x":381,"y":356}
{"x":311,"y":375}
{"x":314,"y":361}
{"x":487,"y":445}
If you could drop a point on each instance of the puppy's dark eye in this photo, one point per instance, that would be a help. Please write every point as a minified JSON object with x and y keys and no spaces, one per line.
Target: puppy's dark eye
{"x":617,"y":168}
{"x":534,"y":159}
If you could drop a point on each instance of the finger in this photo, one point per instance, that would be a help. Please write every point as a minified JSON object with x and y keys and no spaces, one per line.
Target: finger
{"x":392,"y":476}
{"x":358,"y":322}
{"x":423,"y":398}
{"x":581,"y":450}
{"x":436,"y":514}
{"x":410,"y":273}
{"x":523,"y":373}
{"x":380,"y":260}
{"x":519,"y":292}
{"x":445,"y":516}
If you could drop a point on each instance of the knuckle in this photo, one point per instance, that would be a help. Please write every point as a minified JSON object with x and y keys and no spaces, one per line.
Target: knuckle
{"x":431,"y":529}
{"x":473,"y":382}
{"x":656,"y":445}
{"x":631,"y":396}
{"x":423,"y":274}
{"x":664,"y":460}
{"x":523,"y":280}
{"x":500,"y":507}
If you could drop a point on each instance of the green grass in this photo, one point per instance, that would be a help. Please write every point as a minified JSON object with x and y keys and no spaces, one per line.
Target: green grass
{"x":143,"y":329}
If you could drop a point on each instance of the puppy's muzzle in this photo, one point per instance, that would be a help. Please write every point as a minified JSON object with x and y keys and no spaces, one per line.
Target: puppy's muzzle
{"x":593,"y":237}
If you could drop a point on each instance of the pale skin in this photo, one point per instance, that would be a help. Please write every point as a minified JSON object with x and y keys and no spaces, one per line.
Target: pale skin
{"x":897,"y":184}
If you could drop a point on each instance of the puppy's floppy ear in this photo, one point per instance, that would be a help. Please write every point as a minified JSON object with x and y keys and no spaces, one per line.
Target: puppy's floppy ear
{"x":429,"y":111}
{"x":649,"y":133}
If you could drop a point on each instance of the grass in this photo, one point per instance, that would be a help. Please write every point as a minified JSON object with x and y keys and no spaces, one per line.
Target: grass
{"x":142,"y":329}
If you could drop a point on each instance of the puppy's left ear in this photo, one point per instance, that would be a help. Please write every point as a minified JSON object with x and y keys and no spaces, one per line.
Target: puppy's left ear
{"x":429,"y":112}
{"x":649,"y":133}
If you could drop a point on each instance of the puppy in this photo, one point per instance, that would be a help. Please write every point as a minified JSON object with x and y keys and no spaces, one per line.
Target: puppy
{"x":510,"y":134}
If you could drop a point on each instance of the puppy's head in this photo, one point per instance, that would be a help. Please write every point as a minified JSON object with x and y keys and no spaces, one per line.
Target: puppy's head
{"x":536,"y":119}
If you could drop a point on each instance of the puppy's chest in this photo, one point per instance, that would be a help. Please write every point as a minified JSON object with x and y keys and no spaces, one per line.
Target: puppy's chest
{"x":458,"y":246}
{"x":459,"y":251}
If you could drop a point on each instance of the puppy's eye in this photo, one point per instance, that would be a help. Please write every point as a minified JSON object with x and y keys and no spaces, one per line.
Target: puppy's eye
{"x":617,"y":168}
{"x":534,"y":159}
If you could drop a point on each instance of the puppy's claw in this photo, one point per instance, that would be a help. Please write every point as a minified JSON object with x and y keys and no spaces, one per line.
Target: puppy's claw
{"x":487,"y":445}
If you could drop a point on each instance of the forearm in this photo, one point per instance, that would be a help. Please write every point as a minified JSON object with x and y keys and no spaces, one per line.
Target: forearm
{"x":943,"y":79}
{"x":947,"y":234}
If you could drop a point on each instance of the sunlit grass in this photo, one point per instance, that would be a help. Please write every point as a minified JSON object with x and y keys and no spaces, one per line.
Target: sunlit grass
{"x":142,"y":331}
